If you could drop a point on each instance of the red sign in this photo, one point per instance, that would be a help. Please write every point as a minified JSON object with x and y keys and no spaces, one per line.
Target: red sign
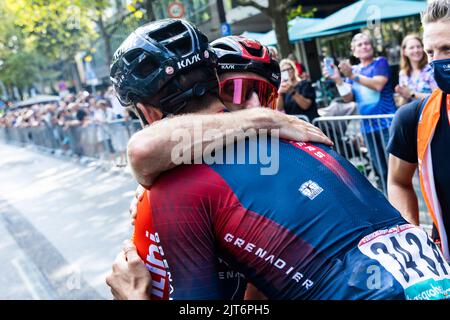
{"x":176,"y":10}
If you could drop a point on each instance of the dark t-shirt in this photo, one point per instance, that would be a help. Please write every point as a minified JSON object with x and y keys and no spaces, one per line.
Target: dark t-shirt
{"x":306,"y":90}
{"x":81,"y":115}
{"x":403,"y":145}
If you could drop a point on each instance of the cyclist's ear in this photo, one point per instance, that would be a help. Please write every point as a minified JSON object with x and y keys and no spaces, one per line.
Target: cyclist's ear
{"x":150,"y":113}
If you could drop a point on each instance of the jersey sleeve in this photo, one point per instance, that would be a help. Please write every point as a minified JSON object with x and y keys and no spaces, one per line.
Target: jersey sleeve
{"x":381,"y":68}
{"x":182,"y":202}
{"x":403,"y":133}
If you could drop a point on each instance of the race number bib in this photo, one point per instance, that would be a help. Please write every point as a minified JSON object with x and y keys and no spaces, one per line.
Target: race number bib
{"x":412,"y":258}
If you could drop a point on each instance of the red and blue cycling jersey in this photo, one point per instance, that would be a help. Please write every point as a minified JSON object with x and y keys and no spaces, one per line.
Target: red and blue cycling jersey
{"x":317,"y":229}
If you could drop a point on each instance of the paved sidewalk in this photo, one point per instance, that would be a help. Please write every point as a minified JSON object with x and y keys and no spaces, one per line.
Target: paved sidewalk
{"x":61,"y":225}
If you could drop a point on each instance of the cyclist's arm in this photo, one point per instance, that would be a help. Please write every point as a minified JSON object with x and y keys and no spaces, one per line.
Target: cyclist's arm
{"x":158,"y":148}
{"x":400,"y":188}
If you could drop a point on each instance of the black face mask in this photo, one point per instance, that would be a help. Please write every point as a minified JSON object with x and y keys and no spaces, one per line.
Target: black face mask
{"x":441,"y":73}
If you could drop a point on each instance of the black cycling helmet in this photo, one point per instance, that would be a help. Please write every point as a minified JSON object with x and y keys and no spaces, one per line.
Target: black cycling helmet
{"x":237,"y":53}
{"x":152,"y":57}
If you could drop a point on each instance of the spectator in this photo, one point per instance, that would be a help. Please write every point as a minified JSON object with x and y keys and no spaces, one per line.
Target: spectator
{"x":369,"y":84}
{"x":298,"y":65}
{"x":296,"y":96}
{"x":81,"y":113}
{"x":415,"y":78}
{"x":274,"y":52}
{"x":424,"y":144}
{"x":102,"y":115}
{"x":117,"y":109}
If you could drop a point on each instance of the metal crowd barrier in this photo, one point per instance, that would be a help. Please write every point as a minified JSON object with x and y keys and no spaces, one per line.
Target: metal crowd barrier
{"x":303,"y":117}
{"x":365,"y":149}
{"x":101,"y":141}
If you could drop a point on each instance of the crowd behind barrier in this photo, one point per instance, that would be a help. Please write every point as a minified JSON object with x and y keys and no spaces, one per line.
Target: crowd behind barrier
{"x":82,"y":125}
{"x":107,"y":141}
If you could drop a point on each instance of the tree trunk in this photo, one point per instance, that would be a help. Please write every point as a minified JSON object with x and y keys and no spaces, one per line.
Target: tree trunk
{"x":277,"y":11}
{"x":108,"y":54}
{"x":149,"y":10}
{"x":280,"y":25}
{"x":106,"y":39}
{"x":75,"y":75}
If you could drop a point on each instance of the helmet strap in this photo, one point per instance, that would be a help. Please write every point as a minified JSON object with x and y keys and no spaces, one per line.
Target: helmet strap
{"x":174,"y":103}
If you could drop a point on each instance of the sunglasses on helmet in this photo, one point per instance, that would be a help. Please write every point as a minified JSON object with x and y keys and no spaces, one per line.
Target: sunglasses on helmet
{"x":239,"y":90}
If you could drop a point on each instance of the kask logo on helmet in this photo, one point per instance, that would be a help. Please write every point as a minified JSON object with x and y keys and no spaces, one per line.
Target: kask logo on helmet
{"x":192,"y":59}
{"x":226,"y":66}
{"x":188,"y":61}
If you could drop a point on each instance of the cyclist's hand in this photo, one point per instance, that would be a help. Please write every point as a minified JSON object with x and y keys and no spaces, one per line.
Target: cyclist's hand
{"x":129,"y":279}
{"x":290,"y":127}
{"x":138,"y":194}
{"x":303,"y":131}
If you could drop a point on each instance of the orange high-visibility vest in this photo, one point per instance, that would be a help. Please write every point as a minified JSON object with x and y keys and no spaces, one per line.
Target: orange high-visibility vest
{"x":425,"y":131}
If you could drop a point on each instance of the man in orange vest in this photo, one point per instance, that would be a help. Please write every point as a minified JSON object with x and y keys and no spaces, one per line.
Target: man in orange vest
{"x":420,"y":135}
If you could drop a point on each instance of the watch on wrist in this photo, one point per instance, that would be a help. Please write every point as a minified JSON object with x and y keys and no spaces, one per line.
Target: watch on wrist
{"x":413,"y":95}
{"x":356,"y":78}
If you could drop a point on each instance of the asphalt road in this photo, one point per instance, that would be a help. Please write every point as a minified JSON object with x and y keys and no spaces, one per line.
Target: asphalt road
{"x":61,"y":225}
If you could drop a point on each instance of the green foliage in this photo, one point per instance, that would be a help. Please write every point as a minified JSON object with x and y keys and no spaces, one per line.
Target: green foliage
{"x":37,"y":35}
{"x":298,"y":12}
{"x":57,"y":28}
{"x":19,"y":64}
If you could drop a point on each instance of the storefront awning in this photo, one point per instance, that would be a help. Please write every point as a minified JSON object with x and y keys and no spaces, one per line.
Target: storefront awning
{"x":352,"y":17}
{"x":365,"y":12}
{"x":297,"y":27}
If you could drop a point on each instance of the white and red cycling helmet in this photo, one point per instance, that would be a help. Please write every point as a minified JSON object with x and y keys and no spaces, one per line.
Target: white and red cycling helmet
{"x":240,"y":54}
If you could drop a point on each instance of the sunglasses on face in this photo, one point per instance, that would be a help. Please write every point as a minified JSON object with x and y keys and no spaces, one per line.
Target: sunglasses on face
{"x":239,"y":90}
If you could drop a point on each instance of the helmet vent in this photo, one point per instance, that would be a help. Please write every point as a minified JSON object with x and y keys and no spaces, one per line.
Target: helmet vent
{"x":255,"y":52}
{"x":223,"y":46}
{"x":132,"y":55}
{"x":146,"y":67}
{"x":169,"y":31}
{"x":181,"y":46}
